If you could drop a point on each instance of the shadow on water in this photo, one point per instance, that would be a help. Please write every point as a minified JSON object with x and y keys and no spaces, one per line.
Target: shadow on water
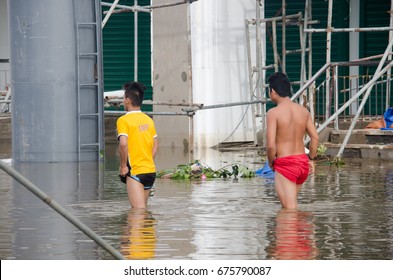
{"x":344,"y":213}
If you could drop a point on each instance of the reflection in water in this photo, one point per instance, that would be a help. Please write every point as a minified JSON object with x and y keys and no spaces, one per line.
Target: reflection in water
{"x":39,"y":232}
{"x":294,"y":236}
{"x":138,"y":241}
{"x":347,"y":213}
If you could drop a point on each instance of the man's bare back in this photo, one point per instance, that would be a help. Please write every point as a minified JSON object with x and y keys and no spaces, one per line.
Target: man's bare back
{"x":291,"y":125}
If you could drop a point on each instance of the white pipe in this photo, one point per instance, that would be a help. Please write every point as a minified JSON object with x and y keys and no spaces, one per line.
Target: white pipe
{"x":107,"y":16}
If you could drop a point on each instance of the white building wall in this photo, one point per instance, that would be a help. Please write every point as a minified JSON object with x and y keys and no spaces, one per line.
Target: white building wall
{"x":220,"y":69}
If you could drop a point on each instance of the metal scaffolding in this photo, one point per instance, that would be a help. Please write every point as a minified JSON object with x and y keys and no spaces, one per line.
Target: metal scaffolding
{"x":306,"y":94}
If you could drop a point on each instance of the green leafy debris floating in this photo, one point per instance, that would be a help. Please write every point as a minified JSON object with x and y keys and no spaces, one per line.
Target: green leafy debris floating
{"x":197,"y":170}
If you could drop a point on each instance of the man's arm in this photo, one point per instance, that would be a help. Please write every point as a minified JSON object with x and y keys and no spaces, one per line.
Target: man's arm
{"x":314,"y":137}
{"x":271,"y":137}
{"x":123,"y":152}
{"x":155,"y":147}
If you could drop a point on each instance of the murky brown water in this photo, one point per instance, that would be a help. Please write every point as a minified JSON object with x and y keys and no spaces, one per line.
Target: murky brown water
{"x":344,"y":213}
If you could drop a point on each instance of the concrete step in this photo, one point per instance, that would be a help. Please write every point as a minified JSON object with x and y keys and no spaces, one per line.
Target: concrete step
{"x":363,"y":136}
{"x":370,"y":151}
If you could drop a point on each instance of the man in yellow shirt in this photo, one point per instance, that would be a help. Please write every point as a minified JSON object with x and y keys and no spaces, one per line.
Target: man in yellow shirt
{"x":137,"y":146}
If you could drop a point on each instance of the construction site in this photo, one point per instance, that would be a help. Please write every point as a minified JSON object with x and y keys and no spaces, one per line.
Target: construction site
{"x":343,"y":96}
{"x":205,"y":64}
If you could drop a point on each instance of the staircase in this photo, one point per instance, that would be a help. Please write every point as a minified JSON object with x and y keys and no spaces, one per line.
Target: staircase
{"x":363,"y":143}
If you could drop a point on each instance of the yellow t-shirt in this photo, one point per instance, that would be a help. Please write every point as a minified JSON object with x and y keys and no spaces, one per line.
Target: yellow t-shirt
{"x":140,"y":130}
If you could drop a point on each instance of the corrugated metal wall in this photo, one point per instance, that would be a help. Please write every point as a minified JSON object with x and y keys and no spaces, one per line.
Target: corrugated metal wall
{"x":374,"y":14}
{"x":319,"y":12}
{"x":118,"y":44}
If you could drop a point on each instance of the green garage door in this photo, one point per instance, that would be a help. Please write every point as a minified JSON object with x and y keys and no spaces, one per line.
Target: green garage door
{"x":118,"y":48}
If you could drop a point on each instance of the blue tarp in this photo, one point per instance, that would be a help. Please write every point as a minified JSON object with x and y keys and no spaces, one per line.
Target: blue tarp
{"x":388,"y":117}
{"x":265,"y":172}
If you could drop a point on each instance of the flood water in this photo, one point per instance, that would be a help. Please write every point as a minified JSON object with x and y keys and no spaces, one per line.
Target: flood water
{"x":344,"y":213}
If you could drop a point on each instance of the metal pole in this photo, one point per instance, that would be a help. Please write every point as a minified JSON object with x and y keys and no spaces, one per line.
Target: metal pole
{"x":278,"y":18}
{"x":107,"y":16}
{"x":335,"y":69}
{"x":303,"y":42}
{"x":135,"y":42}
{"x":363,"y":29}
{"x":59,"y":209}
{"x":283,"y":42}
{"x":388,"y":82}
{"x":275,"y":51}
{"x":309,"y":9}
{"x":250,"y":82}
{"x":167,"y":4}
{"x":259,"y":86}
{"x":120,"y":113}
{"x":311,"y":88}
{"x":310,"y":81}
{"x":262,"y":101}
{"x":127,"y":8}
{"x":328,"y":50}
{"x":191,"y":93}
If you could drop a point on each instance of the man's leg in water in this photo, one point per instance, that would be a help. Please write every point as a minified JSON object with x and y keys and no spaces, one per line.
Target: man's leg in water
{"x":136,"y":193}
{"x":287,"y":191}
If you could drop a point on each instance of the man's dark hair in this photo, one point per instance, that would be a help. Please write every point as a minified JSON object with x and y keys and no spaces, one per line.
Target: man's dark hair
{"x":280,"y":83}
{"x":135,"y":92}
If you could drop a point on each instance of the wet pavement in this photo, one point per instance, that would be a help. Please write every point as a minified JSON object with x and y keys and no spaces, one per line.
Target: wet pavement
{"x":344,"y":213}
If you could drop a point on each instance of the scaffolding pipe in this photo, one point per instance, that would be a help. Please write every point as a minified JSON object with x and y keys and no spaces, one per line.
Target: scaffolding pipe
{"x":191,"y":111}
{"x":335,"y":75}
{"x":135,"y":42}
{"x":120,"y":113}
{"x":364,"y":100}
{"x":334,"y":30}
{"x":310,"y":81}
{"x":311,"y":88}
{"x":168,"y":4}
{"x":304,"y":45}
{"x":145,"y":9}
{"x":251,"y":84}
{"x":262,"y":101}
{"x":107,"y":16}
{"x":150,"y":102}
{"x":388,"y":84}
{"x":259,"y":86}
{"x":328,"y":54}
{"x":5,"y":101}
{"x":283,"y":39}
{"x":59,"y":209}
{"x":275,"y":51}
{"x":128,"y":8}
{"x":353,"y":98}
{"x":262,"y":20}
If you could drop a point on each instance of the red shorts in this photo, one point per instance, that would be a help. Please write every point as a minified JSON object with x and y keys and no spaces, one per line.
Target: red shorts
{"x":295,"y":168}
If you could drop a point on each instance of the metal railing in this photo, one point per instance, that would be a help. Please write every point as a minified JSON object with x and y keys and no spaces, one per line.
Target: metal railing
{"x":330,"y":103}
{"x":5,"y":89}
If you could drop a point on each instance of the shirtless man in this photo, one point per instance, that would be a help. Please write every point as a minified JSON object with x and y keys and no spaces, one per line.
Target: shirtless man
{"x":287,"y":124}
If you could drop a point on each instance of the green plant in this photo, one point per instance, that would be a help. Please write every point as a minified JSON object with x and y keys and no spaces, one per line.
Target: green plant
{"x":197,"y":170}
{"x":321,"y":150}
{"x":338,"y":161}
